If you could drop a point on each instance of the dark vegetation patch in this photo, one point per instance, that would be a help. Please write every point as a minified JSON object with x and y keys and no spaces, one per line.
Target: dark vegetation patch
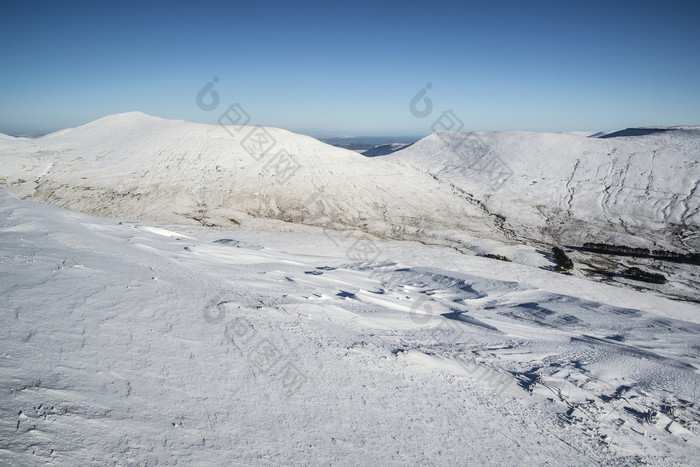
{"x":498,"y":257}
{"x":644,"y":276}
{"x":563,"y":261}
{"x":621,"y":250}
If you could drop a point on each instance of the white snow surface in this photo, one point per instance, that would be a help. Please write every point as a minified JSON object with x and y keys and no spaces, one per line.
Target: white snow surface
{"x":131,"y":342}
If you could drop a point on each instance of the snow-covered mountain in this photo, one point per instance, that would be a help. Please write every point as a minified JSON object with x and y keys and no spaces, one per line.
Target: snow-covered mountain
{"x":134,"y":343}
{"x":551,"y":187}
{"x":513,"y":193}
{"x":137,"y":166}
{"x":630,"y":187}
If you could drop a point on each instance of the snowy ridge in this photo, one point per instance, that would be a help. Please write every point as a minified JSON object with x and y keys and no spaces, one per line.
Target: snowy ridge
{"x":567,"y":188}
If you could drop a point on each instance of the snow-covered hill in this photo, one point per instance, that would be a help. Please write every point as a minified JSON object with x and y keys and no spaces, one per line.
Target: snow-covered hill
{"x":138,"y":166}
{"x":631,"y":190}
{"x":555,"y":188}
{"x":134,"y":343}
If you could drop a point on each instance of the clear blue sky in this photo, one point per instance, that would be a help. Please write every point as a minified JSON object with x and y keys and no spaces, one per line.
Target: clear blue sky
{"x":352,"y":67}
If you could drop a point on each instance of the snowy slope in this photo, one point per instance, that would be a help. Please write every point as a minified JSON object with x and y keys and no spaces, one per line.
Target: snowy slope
{"x":570,"y":189}
{"x":137,"y":343}
{"x":135,"y":165}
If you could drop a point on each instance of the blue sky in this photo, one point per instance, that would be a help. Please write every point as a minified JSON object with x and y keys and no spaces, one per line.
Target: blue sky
{"x":351,"y":68}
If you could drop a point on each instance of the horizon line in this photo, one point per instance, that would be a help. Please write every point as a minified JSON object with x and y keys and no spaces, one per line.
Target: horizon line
{"x":345,"y":135}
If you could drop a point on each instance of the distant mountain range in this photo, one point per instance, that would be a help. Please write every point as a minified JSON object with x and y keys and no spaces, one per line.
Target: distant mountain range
{"x":365,"y":143}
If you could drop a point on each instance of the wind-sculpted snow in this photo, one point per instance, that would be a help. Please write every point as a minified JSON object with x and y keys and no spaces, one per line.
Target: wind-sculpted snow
{"x":140,"y":343}
{"x":574,"y":189}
